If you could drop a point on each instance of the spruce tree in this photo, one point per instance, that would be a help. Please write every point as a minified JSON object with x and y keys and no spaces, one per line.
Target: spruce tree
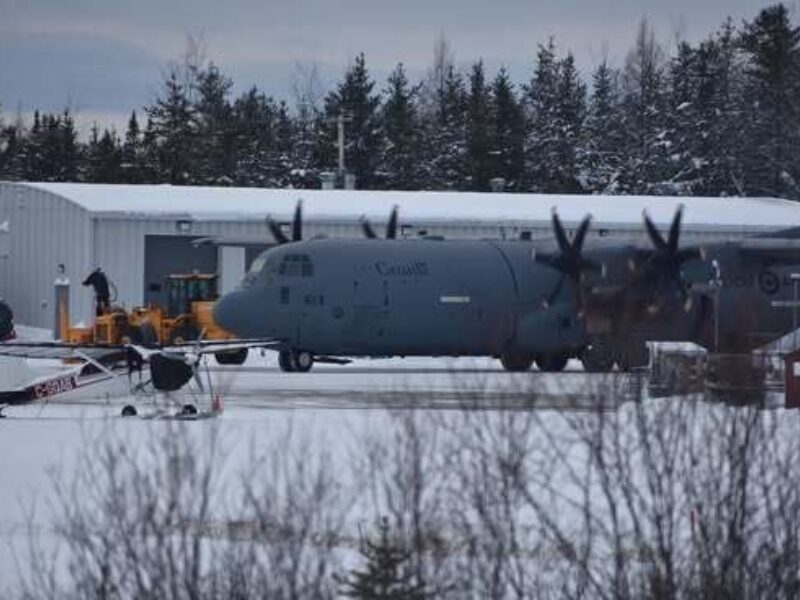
{"x":387,"y":574}
{"x":173,"y":132}
{"x":478,"y":140}
{"x":507,"y":132}
{"x":772,"y":48}
{"x":215,"y":149}
{"x":131,"y":167}
{"x":541,"y":101}
{"x":446,"y":165}
{"x":355,"y":99}
{"x":399,"y":161}
{"x":644,"y":104}
{"x":602,"y":150}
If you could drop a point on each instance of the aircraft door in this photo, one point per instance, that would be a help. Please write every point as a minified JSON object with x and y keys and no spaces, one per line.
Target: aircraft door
{"x":365,"y":326}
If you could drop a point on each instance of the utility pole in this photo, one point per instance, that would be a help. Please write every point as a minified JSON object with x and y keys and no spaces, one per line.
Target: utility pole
{"x":342,"y":118}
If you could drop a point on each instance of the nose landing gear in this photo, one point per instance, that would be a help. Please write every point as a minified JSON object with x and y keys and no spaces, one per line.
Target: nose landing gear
{"x":295,"y":361}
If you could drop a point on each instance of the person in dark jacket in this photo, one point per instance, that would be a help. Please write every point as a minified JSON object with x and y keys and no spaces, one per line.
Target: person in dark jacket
{"x":102,"y":296}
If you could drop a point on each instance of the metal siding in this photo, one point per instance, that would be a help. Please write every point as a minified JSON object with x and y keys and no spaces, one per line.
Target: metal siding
{"x":45,"y":230}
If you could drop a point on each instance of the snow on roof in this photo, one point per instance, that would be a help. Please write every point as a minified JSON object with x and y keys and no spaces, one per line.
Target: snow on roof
{"x":221,"y":203}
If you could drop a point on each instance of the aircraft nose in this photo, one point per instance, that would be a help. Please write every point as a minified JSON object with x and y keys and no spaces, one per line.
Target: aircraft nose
{"x":231,"y":313}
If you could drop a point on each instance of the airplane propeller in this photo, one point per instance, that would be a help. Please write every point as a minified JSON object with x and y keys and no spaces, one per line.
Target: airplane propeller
{"x":569,"y":261}
{"x":391,"y":226}
{"x":297,"y":227}
{"x":663,"y":267}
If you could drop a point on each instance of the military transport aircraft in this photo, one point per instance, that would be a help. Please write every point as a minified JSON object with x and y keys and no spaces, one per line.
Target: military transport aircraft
{"x":521,"y":301}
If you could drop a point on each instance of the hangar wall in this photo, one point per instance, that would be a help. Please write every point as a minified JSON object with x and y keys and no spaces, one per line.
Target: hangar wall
{"x":45,"y":230}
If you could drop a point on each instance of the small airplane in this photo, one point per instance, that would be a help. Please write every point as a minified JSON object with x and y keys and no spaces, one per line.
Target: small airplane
{"x":542,"y":300}
{"x":148,"y":373}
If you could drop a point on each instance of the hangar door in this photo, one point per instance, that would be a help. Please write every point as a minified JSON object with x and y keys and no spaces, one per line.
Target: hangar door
{"x":169,"y":254}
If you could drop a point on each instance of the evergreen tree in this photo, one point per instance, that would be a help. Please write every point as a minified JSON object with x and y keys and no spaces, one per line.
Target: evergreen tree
{"x":772,"y":48}
{"x":507,"y":132}
{"x":570,"y":113}
{"x":387,"y":574}
{"x":602,"y":149}
{"x":354,"y":99}
{"x":172,"y":132}
{"x":254,"y":116}
{"x":644,"y":104}
{"x":216,"y":136}
{"x":103,"y":157}
{"x":132,"y":153}
{"x":541,"y":100}
{"x":478,"y":140}
{"x":398,"y":166}
{"x":446,"y":155}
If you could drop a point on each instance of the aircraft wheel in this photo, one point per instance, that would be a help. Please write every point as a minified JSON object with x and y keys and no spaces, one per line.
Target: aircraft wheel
{"x":597,"y":358}
{"x":285,"y":361}
{"x":129,"y":410}
{"x":516,"y":362}
{"x":302,"y":361}
{"x":552,"y":363}
{"x":231,"y":357}
{"x":183,"y":334}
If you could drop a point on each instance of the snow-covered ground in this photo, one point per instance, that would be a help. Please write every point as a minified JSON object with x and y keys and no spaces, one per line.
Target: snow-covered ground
{"x":260,"y":402}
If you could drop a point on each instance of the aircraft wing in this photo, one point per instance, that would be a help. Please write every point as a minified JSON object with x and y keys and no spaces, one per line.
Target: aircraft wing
{"x":107,"y":353}
{"x":60,"y":351}
{"x":774,"y":250}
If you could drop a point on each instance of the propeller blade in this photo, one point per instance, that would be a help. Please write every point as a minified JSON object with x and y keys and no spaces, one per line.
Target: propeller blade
{"x":391,"y":226}
{"x":580,"y":235}
{"x":561,"y":234}
{"x":276,"y":231}
{"x":551,"y":297}
{"x":675,"y":230}
{"x":297,"y":222}
{"x":653,"y":232}
{"x":366,"y":227}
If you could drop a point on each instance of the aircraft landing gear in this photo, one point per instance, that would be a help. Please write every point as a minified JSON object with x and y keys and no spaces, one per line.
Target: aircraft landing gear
{"x":552,"y":363}
{"x":598,"y":357}
{"x":295,"y":361}
{"x":129,"y":410}
{"x":516,"y":362}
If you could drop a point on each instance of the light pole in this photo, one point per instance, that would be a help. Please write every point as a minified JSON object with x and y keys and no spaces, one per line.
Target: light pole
{"x":716,"y":283}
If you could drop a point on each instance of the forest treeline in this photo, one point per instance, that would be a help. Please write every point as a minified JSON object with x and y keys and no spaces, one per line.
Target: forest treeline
{"x":717,"y":117}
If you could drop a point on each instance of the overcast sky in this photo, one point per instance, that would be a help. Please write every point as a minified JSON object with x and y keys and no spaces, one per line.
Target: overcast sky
{"x":104,"y":58}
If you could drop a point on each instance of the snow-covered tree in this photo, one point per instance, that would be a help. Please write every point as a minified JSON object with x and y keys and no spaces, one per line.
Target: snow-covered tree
{"x":772,"y":47}
{"x":601,"y":151}
{"x":507,"y":130}
{"x":173,"y":131}
{"x":387,"y":574}
{"x":478,"y":133}
{"x":355,"y":99}
{"x":400,"y":158}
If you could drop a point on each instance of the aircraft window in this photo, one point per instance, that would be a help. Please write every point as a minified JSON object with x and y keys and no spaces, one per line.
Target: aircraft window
{"x":258,"y":264}
{"x":284,"y":295}
{"x":297,"y":265}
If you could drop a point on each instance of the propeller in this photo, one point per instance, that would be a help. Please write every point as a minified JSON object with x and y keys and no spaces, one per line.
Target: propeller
{"x":663,"y":267}
{"x":297,"y":227}
{"x":391,"y":226}
{"x":569,"y":260}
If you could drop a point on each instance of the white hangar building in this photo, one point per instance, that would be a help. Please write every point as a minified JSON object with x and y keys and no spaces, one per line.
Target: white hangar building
{"x":139,"y":234}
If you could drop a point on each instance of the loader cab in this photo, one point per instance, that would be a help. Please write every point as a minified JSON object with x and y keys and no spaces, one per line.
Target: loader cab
{"x":184,"y":290}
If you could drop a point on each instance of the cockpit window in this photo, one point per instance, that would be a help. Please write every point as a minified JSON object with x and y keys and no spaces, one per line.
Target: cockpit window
{"x":297,"y":265}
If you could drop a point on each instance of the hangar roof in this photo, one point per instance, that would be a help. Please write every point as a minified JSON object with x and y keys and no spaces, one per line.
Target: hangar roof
{"x":221,"y":203}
